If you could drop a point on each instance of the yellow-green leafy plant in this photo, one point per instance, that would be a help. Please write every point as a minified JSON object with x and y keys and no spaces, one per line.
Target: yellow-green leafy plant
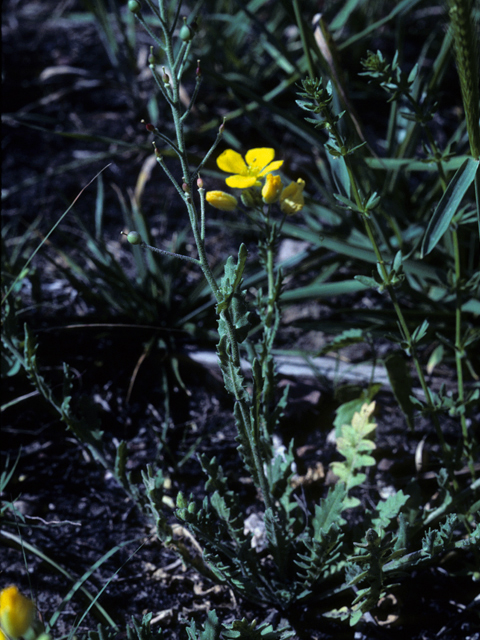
{"x":355,"y":444}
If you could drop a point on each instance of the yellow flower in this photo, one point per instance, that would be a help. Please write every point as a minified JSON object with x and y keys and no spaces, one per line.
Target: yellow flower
{"x":291,"y":199}
{"x":258,"y":164}
{"x":271,"y":189}
{"x":16,"y":612}
{"x":221,"y":200}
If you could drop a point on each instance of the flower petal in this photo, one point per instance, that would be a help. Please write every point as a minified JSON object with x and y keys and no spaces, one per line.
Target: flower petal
{"x":291,"y":198}
{"x":241,"y":182}
{"x":221,"y":200}
{"x":259,"y":158}
{"x":273,"y":166}
{"x":271,"y":189}
{"x":16,"y":612}
{"x":231,"y":162}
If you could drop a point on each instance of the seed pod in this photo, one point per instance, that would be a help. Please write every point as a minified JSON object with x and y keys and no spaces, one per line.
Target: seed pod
{"x":134,"y":6}
{"x":134,"y":237}
{"x":186,"y":32}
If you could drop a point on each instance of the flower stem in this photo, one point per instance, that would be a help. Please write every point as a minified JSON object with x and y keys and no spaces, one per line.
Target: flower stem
{"x":405,"y":330}
{"x":176,"y":66}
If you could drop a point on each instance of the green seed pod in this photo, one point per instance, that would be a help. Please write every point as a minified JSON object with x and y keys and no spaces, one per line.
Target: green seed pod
{"x":186,"y":32}
{"x":134,"y":237}
{"x":134,"y":6}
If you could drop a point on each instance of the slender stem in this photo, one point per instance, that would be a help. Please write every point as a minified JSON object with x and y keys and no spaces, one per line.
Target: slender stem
{"x":176,"y":65}
{"x":160,"y":84}
{"x":405,"y":330}
{"x":156,"y":12}
{"x":271,"y":284}
{"x":210,"y":151}
{"x":477,"y":199}
{"x":167,"y":140}
{"x":201,"y":191}
{"x":180,"y":64}
{"x":394,"y":300}
{"x":175,"y":18}
{"x":171,"y":254}
{"x":169,"y":174}
{"x":142,"y":21}
{"x":459,"y":351}
{"x":193,"y":98}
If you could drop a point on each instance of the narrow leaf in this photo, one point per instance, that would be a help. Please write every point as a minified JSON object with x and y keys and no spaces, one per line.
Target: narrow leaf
{"x":448,"y":205}
{"x":401,"y":382}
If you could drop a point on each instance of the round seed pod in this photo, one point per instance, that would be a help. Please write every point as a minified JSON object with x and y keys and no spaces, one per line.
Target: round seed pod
{"x":186,"y":32}
{"x":134,"y":6}
{"x":134,"y":237}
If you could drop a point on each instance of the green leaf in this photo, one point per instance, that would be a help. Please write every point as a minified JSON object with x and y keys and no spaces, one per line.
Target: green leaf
{"x":448,"y":205}
{"x":353,"y":444}
{"x":232,"y":277}
{"x":389,"y":509}
{"x":328,"y":512}
{"x":401,"y":382}
{"x":345,"y":339}
{"x":371,"y":283}
{"x":346,"y":410}
{"x":211,"y":630}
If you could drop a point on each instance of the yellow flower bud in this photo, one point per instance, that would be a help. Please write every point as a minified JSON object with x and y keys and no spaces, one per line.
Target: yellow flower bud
{"x":272,"y":188}
{"x":291,"y":199}
{"x":16,"y":612}
{"x":221,"y":200}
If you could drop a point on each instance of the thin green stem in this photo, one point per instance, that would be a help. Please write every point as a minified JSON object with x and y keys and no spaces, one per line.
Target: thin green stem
{"x":142,"y":21}
{"x":459,"y":351}
{"x":210,"y":151}
{"x":271,"y":284}
{"x":156,"y":12}
{"x":303,"y":37}
{"x":405,"y":330}
{"x":193,"y":98}
{"x":170,"y":254}
{"x":201,"y":191}
{"x":175,"y":17}
{"x":160,"y":84}
{"x":181,"y":61}
{"x":167,"y":140}
{"x":477,"y":199}
{"x":169,"y":174}
{"x":394,"y":300}
{"x":176,"y":65}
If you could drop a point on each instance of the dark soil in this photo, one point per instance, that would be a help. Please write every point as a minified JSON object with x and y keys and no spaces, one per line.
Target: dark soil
{"x":72,"y":510}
